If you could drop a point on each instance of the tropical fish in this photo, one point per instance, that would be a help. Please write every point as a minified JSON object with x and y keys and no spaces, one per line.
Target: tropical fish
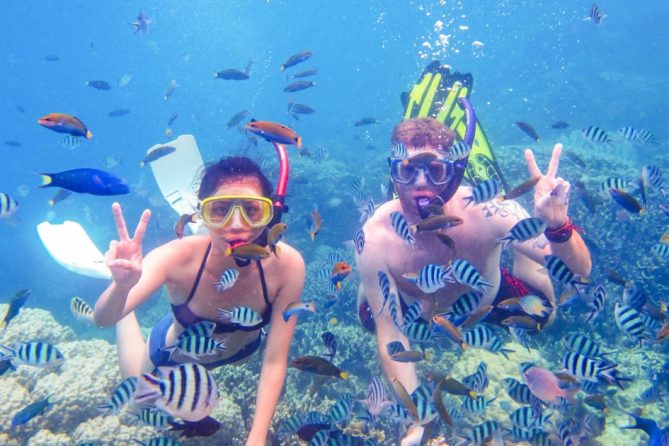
{"x":299,"y":85}
{"x":15,"y":305}
{"x":339,"y":272}
{"x":8,"y":205}
{"x":153,"y":417}
{"x":196,"y":346}
{"x":118,"y":112}
{"x":524,"y":230}
{"x":305,"y":73}
{"x":171,"y":88}
{"x":436,"y":222}
{"x":156,"y":154}
{"x":227,"y":280}
{"x":86,"y":181}
{"x":626,"y":201}
{"x":451,"y":330}
{"x":318,"y":366}
{"x":81,"y":310}
{"x":629,"y":321}
{"x":365,"y":121}
{"x":31,"y":411}
{"x":12,"y":143}
{"x":459,"y":150}
{"x":299,"y":109}
{"x":596,"y":135}
{"x":274,"y":132}
{"x":529,"y":130}
{"x":180,"y":226}
{"x":521,"y":190}
{"x":546,"y":386}
{"x":141,"y":23}
{"x":575,"y":158}
{"x":314,"y":224}
{"x":248,"y":251}
{"x":64,"y":123}
{"x":236,"y":119}
{"x":430,"y":278}
{"x":484,"y":191}
{"x":98,"y":85}
{"x":274,"y":236}
{"x":596,"y":15}
{"x":296,"y":59}
{"x":466,"y":274}
{"x":241,"y":315}
{"x":297,"y":308}
{"x":560,"y":125}
{"x":35,"y":353}
{"x":359,"y":241}
{"x":235,"y":74}
{"x":186,"y":391}
{"x":330,"y":343}
{"x":121,"y":395}
{"x":401,"y":228}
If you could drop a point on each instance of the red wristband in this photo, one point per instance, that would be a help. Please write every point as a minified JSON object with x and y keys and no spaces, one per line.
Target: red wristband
{"x":561,"y":234}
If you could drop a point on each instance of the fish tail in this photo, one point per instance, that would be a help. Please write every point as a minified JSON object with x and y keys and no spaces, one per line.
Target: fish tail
{"x":312,"y":235}
{"x":89,"y":135}
{"x":343,"y":375}
{"x":298,"y":142}
{"x":47,"y":180}
{"x":105,"y":408}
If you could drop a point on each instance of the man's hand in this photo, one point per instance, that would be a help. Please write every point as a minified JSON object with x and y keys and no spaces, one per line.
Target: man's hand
{"x":551,"y":208}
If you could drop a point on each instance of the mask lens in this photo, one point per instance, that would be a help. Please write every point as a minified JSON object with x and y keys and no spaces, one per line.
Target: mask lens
{"x":439,"y":171}
{"x":255,"y":211}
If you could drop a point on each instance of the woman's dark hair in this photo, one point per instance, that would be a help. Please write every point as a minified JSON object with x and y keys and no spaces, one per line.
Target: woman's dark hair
{"x":231,"y":168}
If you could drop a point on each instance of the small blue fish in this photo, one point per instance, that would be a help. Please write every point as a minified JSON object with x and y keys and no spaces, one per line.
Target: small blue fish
{"x":15,"y":305}
{"x":86,"y":181}
{"x":298,"y":308}
{"x":31,"y":411}
{"x":330,"y":342}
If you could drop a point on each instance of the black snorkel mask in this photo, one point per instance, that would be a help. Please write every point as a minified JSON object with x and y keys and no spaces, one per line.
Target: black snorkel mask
{"x":459,"y":166}
{"x":278,"y":199}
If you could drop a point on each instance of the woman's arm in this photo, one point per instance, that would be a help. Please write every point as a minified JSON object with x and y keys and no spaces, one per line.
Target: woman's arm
{"x":275,"y":362}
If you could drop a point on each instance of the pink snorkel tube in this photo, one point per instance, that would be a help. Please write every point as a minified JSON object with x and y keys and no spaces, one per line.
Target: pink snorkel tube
{"x":282,"y":183}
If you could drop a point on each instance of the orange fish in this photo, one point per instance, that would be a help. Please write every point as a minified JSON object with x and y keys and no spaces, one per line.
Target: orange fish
{"x":274,"y":132}
{"x":339,"y":273}
{"x":64,"y":123}
{"x":315,"y":224}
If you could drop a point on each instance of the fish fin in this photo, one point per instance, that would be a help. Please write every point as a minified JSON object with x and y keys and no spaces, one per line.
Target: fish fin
{"x":298,"y":142}
{"x":89,"y":135}
{"x":343,"y":375}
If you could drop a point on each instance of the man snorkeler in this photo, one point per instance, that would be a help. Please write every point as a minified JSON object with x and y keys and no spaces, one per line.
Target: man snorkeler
{"x":423,"y":174}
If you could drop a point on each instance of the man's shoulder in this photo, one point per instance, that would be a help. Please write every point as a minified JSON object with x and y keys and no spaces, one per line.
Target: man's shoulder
{"x":378,"y":225}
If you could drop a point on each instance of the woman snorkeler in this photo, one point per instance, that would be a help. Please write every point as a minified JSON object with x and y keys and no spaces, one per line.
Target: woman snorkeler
{"x":236,"y":211}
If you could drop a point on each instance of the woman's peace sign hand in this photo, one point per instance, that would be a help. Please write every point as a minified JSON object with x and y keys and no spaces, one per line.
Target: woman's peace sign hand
{"x":124,"y":257}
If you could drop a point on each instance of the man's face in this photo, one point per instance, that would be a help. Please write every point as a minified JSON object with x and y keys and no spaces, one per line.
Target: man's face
{"x":421,"y":189}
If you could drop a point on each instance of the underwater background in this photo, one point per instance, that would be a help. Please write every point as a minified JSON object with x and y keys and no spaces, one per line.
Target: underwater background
{"x":536,"y":62}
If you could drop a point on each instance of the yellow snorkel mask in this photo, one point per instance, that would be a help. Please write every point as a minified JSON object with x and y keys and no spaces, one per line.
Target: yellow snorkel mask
{"x":217,"y":211}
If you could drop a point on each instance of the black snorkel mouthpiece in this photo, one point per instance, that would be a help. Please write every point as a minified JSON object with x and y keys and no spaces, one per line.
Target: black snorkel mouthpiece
{"x":278,"y":199}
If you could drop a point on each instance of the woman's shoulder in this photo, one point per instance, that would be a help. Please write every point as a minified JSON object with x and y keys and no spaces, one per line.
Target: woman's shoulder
{"x":288,"y":259}
{"x":179,"y":251}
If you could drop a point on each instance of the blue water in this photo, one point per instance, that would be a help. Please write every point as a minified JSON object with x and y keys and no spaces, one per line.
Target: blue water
{"x":540,"y":63}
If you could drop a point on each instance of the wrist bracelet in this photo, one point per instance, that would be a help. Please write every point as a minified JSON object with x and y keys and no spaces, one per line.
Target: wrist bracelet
{"x":562,"y":233}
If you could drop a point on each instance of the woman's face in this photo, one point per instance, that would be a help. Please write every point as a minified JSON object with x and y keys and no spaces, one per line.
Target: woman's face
{"x":236,"y":231}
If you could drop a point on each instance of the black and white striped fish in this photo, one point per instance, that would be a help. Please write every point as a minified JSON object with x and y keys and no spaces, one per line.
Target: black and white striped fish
{"x":399,"y":151}
{"x":241,"y":315}
{"x":8,"y":205}
{"x":521,"y":336}
{"x":330,"y":343}
{"x":121,"y":395}
{"x":202,"y":328}
{"x":465,"y":274}
{"x":596,"y":16}
{"x":394,"y":347}
{"x":583,"y":367}
{"x":227,"y":280}
{"x":525,"y":229}
{"x":660,"y":250}
{"x":629,"y":133}
{"x":377,"y":397}
{"x":652,"y":175}
{"x":629,"y":321}
{"x":367,"y":211}
{"x":359,"y":241}
{"x":583,"y":345}
{"x":418,"y":332}
{"x":526,"y":418}
{"x":401,"y":228}
{"x":384,"y":284}
{"x":466,"y":304}
{"x":560,"y":272}
{"x":517,"y":391}
{"x":597,"y":303}
{"x":186,"y":391}
{"x":596,"y":135}
{"x":36,"y":353}
{"x":484,"y":191}
{"x":612,"y":183}
{"x":393,"y":310}
{"x":322,"y":154}
{"x":479,"y":433}
{"x":479,"y":336}
{"x":459,"y":150}
{"x":497,"y":346}
{"x":432,"y":278}
{"x":412,"y":313}
{"x":196,"y":346}
{"x":476,"y":405}
{"x":634,"y":295}
{"x":153,"y":417}
{"x":477,"y":381}
{"x":81,"y":310}
{"x":341,"y":410}
{"x":358,"y":184}
{"x":647,"y":137}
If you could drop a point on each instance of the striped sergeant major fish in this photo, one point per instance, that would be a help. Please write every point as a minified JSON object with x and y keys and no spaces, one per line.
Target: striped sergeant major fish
{"x":521,"y":336}
{"x":384,"y":284}
{"x":121,"y":395}
{"x":647,"y":137}
{"x":8,"y":205}
{"x":401,"y":228}
{"x":412,"y":313}
{"x":458,"y":151}
{"x":484,"y":191}
{"x":465,"y":274}
{"x":227,"y":280}
{"x":377,"y":397}
{"x":497,"y":346}
{"x":612,"y":183}
{"x":524,"y":230}
{"x":359,"y":241}
{"x":153,"y":417}
{"x":583,"y":345}
{"x":36,"y":354}
{"x":330,"y":343}
{"x":586,"y":368}
{"x":158,"y":441}
{"x":202,"y":328}
{"x":466,"y":304}
{"x":596,"y":135}
{"x":479,"y":336}
{"x":418,"y":332}
{"x":196,"y":346}
{"x":597,"y":303}
{"x":652,"y":175}
{"x":399,"y":151}
{"x":479,"y":433}
{"x":476,"y":405}
{"x":81,"y":310}
{"x":596,"y":16}
{"x":341,"y":410}
{"x":560,"y":272}
{"x":186,"y":391}
{"x":629,"y":321}
{"x":629,"y":133}
{"x":430,"y":278}
{"x":241,"y":315}
{"x":368,"y":211}
{"x":634,"y":295}
{"x":526,"y":418}
{"x":660,"y":250}
{"x":517,"y":391}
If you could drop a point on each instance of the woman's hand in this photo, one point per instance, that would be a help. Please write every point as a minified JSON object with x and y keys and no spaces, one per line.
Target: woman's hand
{"x":549,"y":207}
{"x":124,"y":257}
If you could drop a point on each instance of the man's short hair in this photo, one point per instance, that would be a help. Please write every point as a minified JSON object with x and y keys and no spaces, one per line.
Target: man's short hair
{"x":419,"y":132}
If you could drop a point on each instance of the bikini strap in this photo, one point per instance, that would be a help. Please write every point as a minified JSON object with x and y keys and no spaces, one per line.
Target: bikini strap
{"x":264,"y":285}
{"x":199,"y":274}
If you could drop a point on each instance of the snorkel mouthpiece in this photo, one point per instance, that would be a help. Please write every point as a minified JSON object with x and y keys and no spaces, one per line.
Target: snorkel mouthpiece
{"x":421,"y":202}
